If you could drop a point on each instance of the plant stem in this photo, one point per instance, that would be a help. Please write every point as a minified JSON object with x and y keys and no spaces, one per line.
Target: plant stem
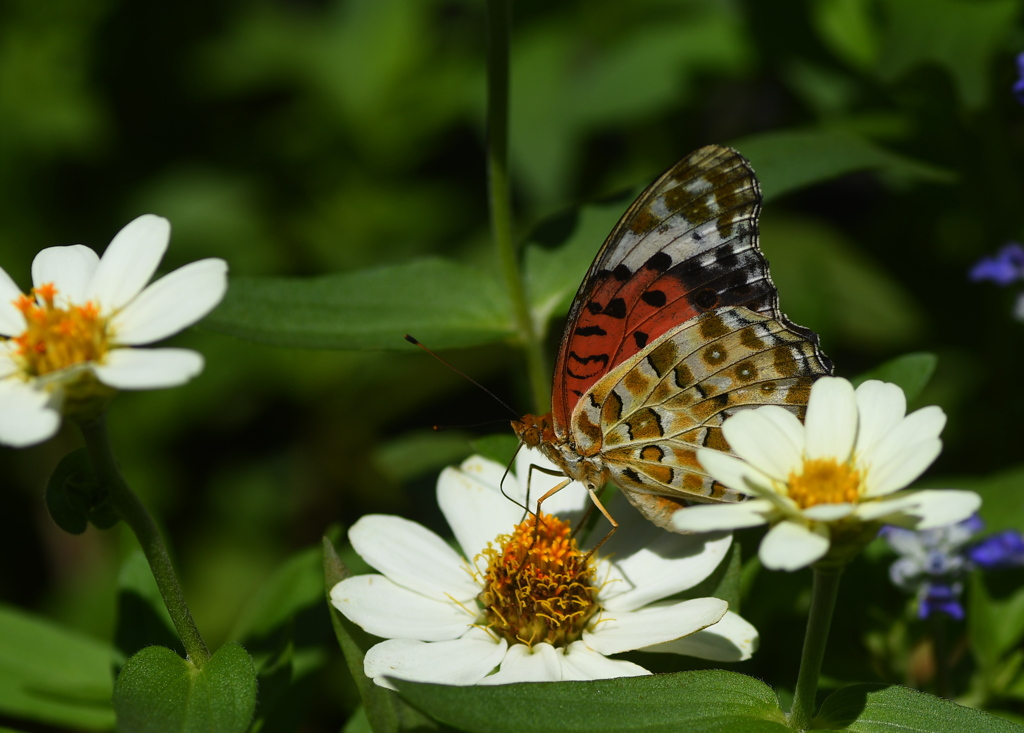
{"x":132,"y":511}
{"x":823,"y":602}
{"x":499,"y":20}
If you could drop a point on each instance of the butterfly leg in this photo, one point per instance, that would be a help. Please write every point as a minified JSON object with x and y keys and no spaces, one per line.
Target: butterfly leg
{"x":611,"y":520}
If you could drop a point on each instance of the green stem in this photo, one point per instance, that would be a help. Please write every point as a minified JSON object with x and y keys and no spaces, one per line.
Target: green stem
{"x":499,"y":21}
{"x":131,"y":510}
{"x":823,"y":603}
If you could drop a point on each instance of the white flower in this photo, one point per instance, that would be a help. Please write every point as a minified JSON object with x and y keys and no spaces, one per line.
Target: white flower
{"x":426,"y":602}
{"x":830,"y":481}
{"x":69,"y":344}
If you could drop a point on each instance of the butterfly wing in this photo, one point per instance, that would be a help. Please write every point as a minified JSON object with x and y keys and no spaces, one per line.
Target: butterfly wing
{"x":686,"y":246}
{"x":648,"y":417}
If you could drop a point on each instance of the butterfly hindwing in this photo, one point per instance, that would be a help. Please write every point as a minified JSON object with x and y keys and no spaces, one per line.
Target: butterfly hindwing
{"x":648,"y":417}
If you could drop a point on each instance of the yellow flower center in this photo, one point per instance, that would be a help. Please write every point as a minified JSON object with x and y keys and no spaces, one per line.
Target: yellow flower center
{"x":56,"y":338}
{"x":538,"y":586}
{"x":824,"y":481}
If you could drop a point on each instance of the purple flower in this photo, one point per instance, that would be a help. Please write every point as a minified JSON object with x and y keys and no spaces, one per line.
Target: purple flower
{"x":1006,"y":267}
{"x":1001,"y":550}
{"x":941,"y":598}
{"x":932,"y":563}
{"x":1018,"y":86}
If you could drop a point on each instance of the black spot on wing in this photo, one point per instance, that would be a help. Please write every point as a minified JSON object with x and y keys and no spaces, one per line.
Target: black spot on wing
{"x":616,"y":308}
{"x":641,"y":339}
{"x":654,"y":298}
{"x":591,"y":331}
{"x":599,"y":358}
{"x":659,"y":261}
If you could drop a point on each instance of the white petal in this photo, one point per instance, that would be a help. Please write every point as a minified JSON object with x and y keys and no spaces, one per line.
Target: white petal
{"x":829,"y":512}
{"x":12,"y":322}
{"x":905,"y":452}
{"x":667,"y":565}
{"x":8,"y":362}
{"x":27,"y":415}
{"x":710,"y":517}
{"x":922,"y":509}
{"x":623,"y":631}
{"x":882,"y":407}
{"x":791,"y":546}
{"x":70,"y":269}
{"x":733,"y":639}
{"x":733,"y":472}
{"x":172,"y":303}
{"x":148,"y":368}
{"x":831,"y":422}
{"x":581,"y":663}
{"x":384,"y":608}
{"x":414,"y":557}
{"x":476,"y":511}
{"x":129,"y":262}
{"x":765,"y":439}
{"x":542,"y":663}
{"x":462,"y":661}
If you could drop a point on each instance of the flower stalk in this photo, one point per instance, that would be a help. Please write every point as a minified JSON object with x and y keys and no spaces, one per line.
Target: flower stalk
{"x":499,"y":20}
{"x":823,"y":603}
{"x":135,"y":515}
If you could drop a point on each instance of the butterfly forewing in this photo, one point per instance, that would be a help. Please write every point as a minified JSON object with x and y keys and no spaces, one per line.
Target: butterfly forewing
{"x":686,"y":246}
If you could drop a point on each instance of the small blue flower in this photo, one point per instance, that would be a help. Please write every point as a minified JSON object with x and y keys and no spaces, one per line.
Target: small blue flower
{"x":1001,"y":550}
{"x":1003,"y":269}
{"x":1018,"y":86}
{"x":933,"y":563}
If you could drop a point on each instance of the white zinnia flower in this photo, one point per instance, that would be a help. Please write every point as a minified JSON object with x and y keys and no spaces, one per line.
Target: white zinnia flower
{"x":829,"y":481}
{"x":575,"y":612}
{"x":64,"y":346}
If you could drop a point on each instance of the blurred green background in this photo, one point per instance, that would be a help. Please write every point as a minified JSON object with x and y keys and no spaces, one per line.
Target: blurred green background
{"x":306,"y":137}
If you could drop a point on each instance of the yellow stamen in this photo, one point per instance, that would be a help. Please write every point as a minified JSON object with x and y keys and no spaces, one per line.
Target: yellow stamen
{"x":56,"y":338}
{"x":824,"y":481}
{"x":538,"y":586}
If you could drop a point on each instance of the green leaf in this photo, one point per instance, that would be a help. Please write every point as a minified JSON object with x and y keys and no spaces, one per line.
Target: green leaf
{"x":911,"y":372}
{"x":1001,"y":507}
{"x":827,"y":284}
{"x":158,"y":691}
{"x":386,"y":711}
{"x":443,"y":304}
{"x":995,"y":619}
{"x":75,"y":497}
{"x":847,"y":27}
{"x":560,"y":251}
{"x":499,"y":447}
{"x":791,"y":159}
{"x":52,"y":675}
{"x":961,"y":37}
{"x":889,"y":709}
{"x":420,"y":453}
{"x":707,"y":700}
{"x":296,"y":584}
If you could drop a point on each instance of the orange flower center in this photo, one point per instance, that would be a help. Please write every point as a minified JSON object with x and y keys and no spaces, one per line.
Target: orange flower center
{"x":824,"y":481}
{"x":538,"y":586}
{"x":56,"y":338}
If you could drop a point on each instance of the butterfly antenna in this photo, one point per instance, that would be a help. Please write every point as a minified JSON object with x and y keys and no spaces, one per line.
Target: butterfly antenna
{"x":462,"y":374}
{"x":501,"y":485}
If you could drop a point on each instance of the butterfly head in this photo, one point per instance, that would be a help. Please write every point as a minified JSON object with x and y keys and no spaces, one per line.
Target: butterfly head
{"x":534,"y":430}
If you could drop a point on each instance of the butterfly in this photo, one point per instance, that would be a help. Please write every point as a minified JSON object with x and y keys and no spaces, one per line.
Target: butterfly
{"x":675,"y":327}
